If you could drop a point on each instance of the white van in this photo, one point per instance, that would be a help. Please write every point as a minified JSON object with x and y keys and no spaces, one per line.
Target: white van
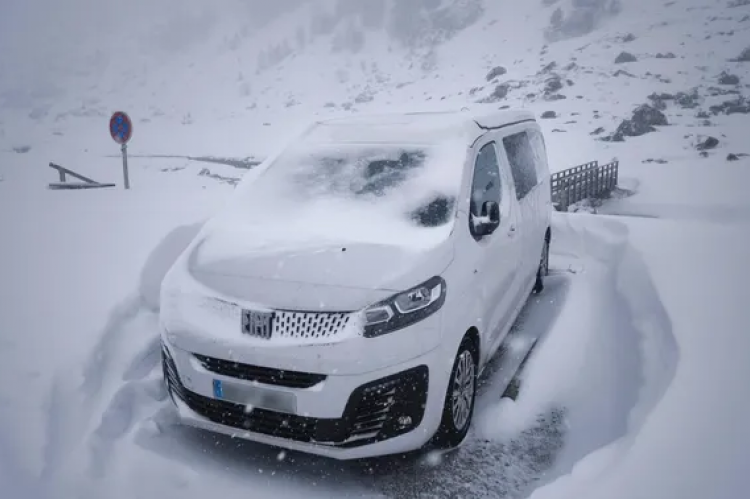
{"x":346,"y":298}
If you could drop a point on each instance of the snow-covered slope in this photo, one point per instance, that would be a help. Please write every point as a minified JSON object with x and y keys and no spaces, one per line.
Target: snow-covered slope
{"x":211,"y":80}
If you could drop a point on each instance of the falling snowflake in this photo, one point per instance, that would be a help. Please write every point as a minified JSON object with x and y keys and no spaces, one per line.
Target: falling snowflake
{"x":434,"y":458}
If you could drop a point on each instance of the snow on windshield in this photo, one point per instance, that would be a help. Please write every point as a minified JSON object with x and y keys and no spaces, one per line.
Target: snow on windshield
{"x":378,"y":193}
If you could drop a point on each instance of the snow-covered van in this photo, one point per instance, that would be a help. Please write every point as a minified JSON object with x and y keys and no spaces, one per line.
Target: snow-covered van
{"x":348,"y":295}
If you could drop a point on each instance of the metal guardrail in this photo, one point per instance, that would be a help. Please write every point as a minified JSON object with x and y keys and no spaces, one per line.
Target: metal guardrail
{"x":587,"y":181}
{"x":85,"y":182}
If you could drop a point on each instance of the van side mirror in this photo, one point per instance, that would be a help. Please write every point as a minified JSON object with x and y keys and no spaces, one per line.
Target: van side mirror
{"x":489,"y":220}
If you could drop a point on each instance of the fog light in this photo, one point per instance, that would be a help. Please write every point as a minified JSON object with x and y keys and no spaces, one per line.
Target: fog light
{"x":404,"y":421}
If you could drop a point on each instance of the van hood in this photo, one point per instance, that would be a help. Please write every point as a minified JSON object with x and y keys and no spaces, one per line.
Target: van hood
{"x":356,"y":265}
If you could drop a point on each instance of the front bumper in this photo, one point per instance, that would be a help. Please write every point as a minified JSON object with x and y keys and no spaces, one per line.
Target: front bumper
{"x":392,"y":410}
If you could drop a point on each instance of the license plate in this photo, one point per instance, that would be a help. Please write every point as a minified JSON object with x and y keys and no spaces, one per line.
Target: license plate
{"x":252,"y":396}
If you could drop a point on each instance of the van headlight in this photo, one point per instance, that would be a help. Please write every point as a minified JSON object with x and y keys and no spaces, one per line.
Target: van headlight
{"x":406,"y":308}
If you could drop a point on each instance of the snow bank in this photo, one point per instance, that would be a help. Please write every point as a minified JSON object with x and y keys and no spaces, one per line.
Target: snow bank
{"x":608,"y":358}
{"x":687,"y":435}
{"x":66,"y":260}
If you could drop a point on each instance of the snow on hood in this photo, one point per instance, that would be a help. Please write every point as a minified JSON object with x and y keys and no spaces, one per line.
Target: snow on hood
{"x":372,"y":216}
{"x":352,"y":265}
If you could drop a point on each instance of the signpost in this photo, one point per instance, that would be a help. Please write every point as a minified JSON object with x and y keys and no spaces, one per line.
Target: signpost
{"x":121,"y":130}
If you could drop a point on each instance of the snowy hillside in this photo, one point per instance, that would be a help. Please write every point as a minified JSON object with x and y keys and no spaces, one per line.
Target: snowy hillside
{"x":644,"y":315}
{"x":215,"y":79}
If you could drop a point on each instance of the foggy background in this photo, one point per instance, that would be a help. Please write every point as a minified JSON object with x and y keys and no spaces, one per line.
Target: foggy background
{"x":42,"y":42}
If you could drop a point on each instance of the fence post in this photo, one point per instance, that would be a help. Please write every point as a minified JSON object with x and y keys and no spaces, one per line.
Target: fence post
{"x":596,"y":181}
{"x":571,"y":191}
{"x":616,"y":167}
{"x":585,"y":183}
{"x":595,"y":173}
{"x":608,"y":179}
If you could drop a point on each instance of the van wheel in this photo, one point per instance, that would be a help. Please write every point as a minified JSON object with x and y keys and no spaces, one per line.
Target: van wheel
{"x":458,"y":408}
{"x":543,"y":270}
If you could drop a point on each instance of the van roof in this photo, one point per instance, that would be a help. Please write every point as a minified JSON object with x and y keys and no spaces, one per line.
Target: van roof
{"x":413,"y":127}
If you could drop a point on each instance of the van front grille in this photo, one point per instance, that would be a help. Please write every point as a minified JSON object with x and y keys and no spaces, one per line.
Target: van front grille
{"x":308,"y":325}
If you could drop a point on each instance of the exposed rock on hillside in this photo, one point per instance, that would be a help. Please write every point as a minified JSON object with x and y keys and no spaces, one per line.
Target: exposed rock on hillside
{"x":644,"y":120}
{"x":728,"y":79}
{"x":707,"y":143}
{"x":625,"y":57}
{"x":739,"y":105}
{"x":495,"y":72}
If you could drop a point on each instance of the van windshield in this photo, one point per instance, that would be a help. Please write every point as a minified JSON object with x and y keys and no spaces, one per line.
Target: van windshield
{"x":386,"y":189}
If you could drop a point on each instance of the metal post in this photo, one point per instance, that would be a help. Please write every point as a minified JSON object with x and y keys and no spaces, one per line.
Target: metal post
{"x":125,"y":177}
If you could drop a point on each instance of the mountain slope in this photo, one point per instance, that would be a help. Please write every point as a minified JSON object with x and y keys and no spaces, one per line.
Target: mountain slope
{"x":213,"y":81}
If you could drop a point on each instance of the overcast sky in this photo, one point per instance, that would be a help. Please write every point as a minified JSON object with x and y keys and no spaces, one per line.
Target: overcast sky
{"x":35,"y":34}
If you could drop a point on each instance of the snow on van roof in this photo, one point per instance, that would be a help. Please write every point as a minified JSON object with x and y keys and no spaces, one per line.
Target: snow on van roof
{"x":416,"y":128}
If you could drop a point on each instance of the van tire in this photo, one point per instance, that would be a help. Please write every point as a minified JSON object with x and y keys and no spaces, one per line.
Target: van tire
{"x":543,"y":270}
{"x":462,"y":385}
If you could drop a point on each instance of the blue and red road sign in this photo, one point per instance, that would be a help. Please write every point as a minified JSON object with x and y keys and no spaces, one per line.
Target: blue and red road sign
{"x":120,"y":127}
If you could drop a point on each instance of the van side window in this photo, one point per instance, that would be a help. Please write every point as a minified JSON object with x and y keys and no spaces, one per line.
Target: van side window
{"x":540,"y":150}
{"x":522,"y":162}
{"x":486,"y":184}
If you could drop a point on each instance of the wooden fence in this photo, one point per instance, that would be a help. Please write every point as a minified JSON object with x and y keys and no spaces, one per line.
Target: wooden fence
{"x":588,"y":181}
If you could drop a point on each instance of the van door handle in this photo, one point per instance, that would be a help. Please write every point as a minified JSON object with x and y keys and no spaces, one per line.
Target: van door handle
{"x":512,"y":231}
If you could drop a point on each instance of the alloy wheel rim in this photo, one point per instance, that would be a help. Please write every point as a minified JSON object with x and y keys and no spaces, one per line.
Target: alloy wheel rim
{"x":463,"y":390}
